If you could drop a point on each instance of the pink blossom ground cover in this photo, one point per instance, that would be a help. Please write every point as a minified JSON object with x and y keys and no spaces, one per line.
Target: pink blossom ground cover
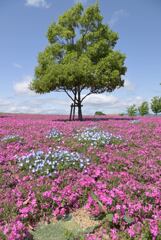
{"x":121,"y":185}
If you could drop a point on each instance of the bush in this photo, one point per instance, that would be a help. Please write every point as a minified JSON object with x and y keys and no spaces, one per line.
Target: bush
{"x":99,"y":113}
{"x":122,"y":114}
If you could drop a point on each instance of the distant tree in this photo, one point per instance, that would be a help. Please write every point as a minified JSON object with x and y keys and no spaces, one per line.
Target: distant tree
{"x":80,"y":56}
{"x":156,"y":105}
{"x":132,"y":110}
{"x":99,"y":113}
{"x":143,"y":108}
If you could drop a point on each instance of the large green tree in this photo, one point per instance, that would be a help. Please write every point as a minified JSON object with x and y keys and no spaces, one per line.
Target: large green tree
{"x":80,"y":58}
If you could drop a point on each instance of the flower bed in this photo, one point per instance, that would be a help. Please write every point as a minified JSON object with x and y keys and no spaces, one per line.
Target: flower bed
{"x":51,"y":162}
{"x":121,"y":189}
{"x":96,"y":137}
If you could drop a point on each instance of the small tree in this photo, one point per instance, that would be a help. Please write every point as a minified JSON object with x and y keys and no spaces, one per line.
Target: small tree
{"x":143,"y":108}
{"x":80,"y":56}
{"x":132,"y":110}
{"x":156,"y":105}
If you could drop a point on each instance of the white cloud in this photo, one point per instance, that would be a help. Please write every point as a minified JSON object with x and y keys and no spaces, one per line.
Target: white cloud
{"x":129,"y":85}
{"x":46,"y":104}
{"x":39,"y":105}
{"x":22,"y":87}
{"x":99,"y":99}
{"x":109,"y":103}
{"x":37,"y":3}
{"x":16,"y":65}
{"x":116,"y":16}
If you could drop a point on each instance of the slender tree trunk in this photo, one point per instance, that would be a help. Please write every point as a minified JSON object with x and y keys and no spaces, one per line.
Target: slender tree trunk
{"x":80,"y":116}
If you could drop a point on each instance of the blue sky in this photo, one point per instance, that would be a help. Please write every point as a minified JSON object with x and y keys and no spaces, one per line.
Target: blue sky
{"x":23,"y":25}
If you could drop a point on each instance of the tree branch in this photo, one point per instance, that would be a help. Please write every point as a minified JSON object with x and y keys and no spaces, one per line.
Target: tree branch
{"x":68,"y":95}
{"x":86,"y":96}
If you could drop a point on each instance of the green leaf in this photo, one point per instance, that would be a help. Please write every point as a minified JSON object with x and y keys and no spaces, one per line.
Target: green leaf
{"x":109,"y":217}
{"x":128,"y":219}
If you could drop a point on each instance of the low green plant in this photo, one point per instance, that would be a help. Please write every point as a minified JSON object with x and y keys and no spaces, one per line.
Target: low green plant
{"x":62,"y":230}
{"x":99,"y":113}
{"x":122,"y":114}
{"x":11,"y":139}
{"x":9,"y":211}
{"x":2,"y":236}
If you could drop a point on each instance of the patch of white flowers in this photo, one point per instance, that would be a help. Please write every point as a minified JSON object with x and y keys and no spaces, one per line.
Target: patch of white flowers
{"x":53,"y":161}
{"x":11,"y":138}
{"x":54,"y":133}
{"x":96,"y":136}
{"x":135,"y":121}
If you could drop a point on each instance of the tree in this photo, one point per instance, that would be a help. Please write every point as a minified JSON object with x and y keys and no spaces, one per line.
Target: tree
{"x":80,"y":58}
{"x":143,"y":108}
{"x":156,"y":105}
{"x":132,"y":110}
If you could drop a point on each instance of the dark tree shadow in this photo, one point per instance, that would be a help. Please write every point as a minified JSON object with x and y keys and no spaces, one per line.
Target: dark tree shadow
{"x":95,"y":119}
{"x":4,"y":116}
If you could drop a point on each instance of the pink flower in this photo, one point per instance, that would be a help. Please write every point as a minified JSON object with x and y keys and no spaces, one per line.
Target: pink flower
{"x":47,"y":194}
{"x":113,"y":234}
{"x":131,"y":231}
{"x":154,"y":228}
{"x":116,"y":218}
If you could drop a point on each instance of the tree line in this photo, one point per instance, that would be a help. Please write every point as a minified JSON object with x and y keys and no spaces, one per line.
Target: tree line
{"x":143,"y":109}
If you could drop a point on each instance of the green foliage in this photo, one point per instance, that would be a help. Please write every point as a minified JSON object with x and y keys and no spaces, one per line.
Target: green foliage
{"x":8,"y":211}
{"x":128,"y":219}
{"x":132,"y":110}
{"x":80,"y":55}
{"x":62,"y":230}
{"x":2,"y":236}
{"x":143,"y":108}
{"x":12,"y":139}
{"x":99,"y":113}
{"x":156,"y":105}
{"x":109,"y":217}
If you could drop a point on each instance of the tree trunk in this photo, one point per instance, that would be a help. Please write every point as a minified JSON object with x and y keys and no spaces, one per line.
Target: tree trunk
{"x":80,"y":116}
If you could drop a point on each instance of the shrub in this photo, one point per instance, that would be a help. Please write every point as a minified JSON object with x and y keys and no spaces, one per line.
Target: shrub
{"x":99,"y":113}
{"x":122,"y":114}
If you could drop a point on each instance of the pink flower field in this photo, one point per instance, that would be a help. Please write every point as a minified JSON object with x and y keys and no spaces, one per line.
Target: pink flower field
{"x":51,"y":167}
